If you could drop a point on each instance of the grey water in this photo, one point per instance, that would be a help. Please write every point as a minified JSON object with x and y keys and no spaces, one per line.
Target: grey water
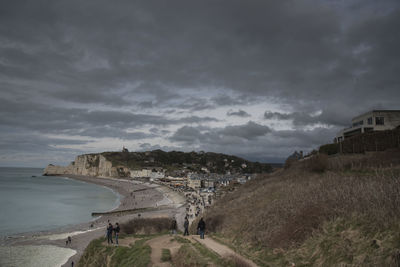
{"x":30,"y":202}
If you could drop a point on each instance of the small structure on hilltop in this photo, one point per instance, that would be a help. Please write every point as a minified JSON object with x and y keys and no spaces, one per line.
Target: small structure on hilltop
{"x":375,"y":120}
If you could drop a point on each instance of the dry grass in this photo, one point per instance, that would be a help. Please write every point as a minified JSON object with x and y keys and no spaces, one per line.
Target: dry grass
{"x":282,"y":210}
{"x":369,"y":160}
{"x":317,"y":163}
{"x":238,"y":262}
{"x":146,"y":226}
{"x":188,"y":256}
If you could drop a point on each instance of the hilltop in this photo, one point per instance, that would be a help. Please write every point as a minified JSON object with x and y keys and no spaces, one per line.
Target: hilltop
{"x":192,"y":161}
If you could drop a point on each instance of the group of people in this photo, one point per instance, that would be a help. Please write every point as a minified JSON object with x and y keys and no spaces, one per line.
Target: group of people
{"x":68,"y":241}
{"x":201,"y":227}
{"x":109,"y":233}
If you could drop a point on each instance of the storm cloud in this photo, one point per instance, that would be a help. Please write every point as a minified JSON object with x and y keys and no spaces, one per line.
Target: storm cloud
{"x":257,"y":79}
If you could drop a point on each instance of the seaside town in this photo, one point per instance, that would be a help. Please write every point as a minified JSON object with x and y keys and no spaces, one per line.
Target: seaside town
{"x":200,"y":189}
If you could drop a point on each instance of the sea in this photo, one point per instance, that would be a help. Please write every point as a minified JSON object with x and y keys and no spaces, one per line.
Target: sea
{"x":30,"y":202}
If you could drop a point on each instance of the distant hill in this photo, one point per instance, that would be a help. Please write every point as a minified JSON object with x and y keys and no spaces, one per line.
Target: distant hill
{"x":194,"y":161}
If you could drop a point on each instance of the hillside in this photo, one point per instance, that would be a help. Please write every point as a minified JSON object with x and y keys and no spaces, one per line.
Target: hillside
{"x":193,"y":161}
{"x":324,"y":211}
{"x":176,"y":163}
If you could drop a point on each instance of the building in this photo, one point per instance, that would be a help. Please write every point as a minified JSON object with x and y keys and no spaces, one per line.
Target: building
{"x":194,"y":182}
{"x":144,"y":173}
{"x":375,"y":120}
{"x":154,"y":175}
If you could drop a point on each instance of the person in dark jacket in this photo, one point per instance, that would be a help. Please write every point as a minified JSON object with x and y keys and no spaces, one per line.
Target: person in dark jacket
{"x":201,"y":227}
{"x":173,"y":226}
{"x":116,"y":231}
{"x":186,"y":226}
{"x":109,"y":233}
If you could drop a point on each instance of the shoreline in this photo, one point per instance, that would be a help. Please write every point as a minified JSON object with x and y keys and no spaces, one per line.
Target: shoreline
{"x":133,"y":195}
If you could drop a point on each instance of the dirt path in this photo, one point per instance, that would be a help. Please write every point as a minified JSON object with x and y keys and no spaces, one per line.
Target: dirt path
{"x":220,"y":249}
{"x":157,"y":244}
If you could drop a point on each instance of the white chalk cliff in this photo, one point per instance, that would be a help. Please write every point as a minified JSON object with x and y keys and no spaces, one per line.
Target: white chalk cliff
{"x":88,"y":165}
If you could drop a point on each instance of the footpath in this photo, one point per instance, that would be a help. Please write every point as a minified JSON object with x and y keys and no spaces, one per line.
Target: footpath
{"x":221,"y":250}
{"x":168,"y":242}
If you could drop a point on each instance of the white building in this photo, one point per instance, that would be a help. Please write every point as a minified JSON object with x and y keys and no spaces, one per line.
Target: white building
{"x":157,"y":175}
{"x":144,"y":173}
{"x":375,"y":120}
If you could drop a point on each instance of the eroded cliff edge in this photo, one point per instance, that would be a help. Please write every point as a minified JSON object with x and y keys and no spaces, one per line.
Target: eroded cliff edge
{"x":88,"y":165}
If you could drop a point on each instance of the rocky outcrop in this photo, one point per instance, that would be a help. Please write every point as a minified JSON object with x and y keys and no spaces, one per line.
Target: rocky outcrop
{"x":89,"y":165}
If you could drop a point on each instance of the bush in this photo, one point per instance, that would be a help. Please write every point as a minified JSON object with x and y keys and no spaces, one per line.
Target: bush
{"x":318,"y":163}
{"x":165,"y":255}
{"x":146,"y":226}
{"x":329,"y":149}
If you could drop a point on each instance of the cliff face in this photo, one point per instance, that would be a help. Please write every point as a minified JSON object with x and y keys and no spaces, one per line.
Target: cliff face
{"x":88,"y":165}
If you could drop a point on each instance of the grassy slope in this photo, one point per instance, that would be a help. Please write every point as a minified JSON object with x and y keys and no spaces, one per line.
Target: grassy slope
{"x":347,"y":214}
{"x":98,"y":255}
{"x":190,"y":254}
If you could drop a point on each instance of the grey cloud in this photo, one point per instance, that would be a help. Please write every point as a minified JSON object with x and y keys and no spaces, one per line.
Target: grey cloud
{"x":196,"y":104}
{"x":239,"y":113}
{"x":253,"y":141}
{"x":79,"y":121}
{"x":248,"y":131}
{"x":186,"y":134}
{"x":61,"y":59}
{"x":101,"y":131}
{"x":196,"y":119}
{"x":239,"y":48}
{"x":328,"y":116}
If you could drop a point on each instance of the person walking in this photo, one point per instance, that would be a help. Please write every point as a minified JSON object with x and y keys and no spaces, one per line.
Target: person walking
{"x":116,"y":230}
{"x":173,"y":226}
{"x":186,"y":226}
{"x":109,"y":233}
{"x":201,"y":226}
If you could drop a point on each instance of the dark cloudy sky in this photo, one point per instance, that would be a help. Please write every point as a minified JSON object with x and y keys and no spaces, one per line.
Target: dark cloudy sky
{"x":257,"y":79}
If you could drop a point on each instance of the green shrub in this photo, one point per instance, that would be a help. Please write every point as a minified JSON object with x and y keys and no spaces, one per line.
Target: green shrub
{"x":165,"y":255}
{"x":146,"y":226}
{"x":329,"y":149}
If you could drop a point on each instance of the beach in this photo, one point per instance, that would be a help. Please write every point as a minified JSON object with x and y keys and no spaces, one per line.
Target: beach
{"x":146,"y":199}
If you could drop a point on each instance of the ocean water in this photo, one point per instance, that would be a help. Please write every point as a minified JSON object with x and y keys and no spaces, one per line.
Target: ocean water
{"x":42,"y":203}
{"x":30,"y":256}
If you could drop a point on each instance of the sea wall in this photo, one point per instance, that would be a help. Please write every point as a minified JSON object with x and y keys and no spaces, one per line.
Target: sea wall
{"x":88,"y":165}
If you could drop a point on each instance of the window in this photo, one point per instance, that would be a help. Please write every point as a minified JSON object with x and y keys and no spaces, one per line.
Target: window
{"x":370,"y":121}
{"x":358,"y":123}
{"x":380,"y":121}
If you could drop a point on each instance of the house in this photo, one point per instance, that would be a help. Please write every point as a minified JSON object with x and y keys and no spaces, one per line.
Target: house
{"x":154,"y":175}
{"x":208,"y":183}
{"x":194,"y":182}
{"x":144,"y":173}
{"x":375,"y":120}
